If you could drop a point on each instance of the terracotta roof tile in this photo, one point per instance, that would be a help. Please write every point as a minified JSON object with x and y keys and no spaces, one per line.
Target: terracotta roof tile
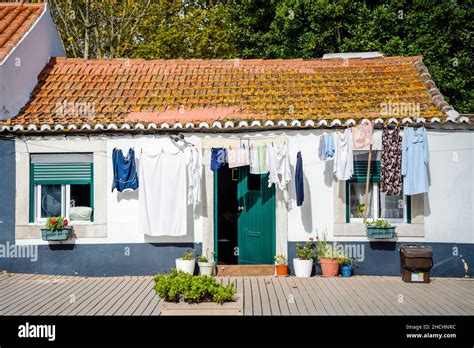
{"x":15,"y":20}
{"x":197,"y":90}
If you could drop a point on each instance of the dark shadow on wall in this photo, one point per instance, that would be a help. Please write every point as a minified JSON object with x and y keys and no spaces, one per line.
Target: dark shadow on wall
{"x":328,"y":173}
{"x":306,"y":208}
{"x":127,"y":195}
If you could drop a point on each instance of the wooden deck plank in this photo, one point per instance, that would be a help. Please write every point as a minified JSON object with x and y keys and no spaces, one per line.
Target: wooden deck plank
{"x":112,"y":301}
{"x":248,"y":305}
{"x":147,"y":287}
{"x":272,"y":297}
{"x":289,"y":296}
{"x":19,"y":286}
{"x":387,"y":297}
{"x":315,"y":296}
{"x":80,"y":296}
{"x":150,"y":306}
{"x":98,"y":299}
{"x":262,"y":285}
{"x":406,"y":301}
{"x":413,"y":291}
{"x":63,"y":298}
{"x":94,"y":293}
{"x":305,"y":295}
{"x":375,"y":305}
{"x":30,"y":295}
{"x":146,"y":300}
{"x":131,"y":295}
{"x":365,"y":295}
{"x":281,"y":298}
{"x":256,"y":300}
{"x":336,"y":306}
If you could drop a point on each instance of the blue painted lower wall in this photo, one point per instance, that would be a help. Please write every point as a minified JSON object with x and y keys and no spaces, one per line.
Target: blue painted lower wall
{"x":382,"y":258}
{"x":101,"y":259}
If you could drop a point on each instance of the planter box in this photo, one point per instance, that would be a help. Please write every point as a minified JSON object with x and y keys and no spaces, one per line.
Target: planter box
{"x":205,"y":308}
{"x":380,"y":233}
{"x":55,"y":235}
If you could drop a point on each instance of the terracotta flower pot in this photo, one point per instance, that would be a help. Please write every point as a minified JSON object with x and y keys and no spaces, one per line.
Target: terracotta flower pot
{"x":282,"y":270}
{"x":329,"y":267}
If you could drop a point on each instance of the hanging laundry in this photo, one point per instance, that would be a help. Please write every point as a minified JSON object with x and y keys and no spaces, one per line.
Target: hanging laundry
{"x":415,"y":159}
{"x":362,"y":135}
{"x":194,"y":172}
{"x":124,"y":171}
{"x":278,"y":163}
{"x":218,"y":157}
{"x":299,"y":182}
{"x":330,"y":148}
{"x":258,"y":162}
{"x":391,"y":162}
{"x":162,"y":194}
{"x":238,"y":157}
{"x":343,"y":158}
{"x":322,"y":148}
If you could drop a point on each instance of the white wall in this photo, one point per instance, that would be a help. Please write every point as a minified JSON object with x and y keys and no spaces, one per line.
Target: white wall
{"x":19,"y":70}
{"x":448,"y":207}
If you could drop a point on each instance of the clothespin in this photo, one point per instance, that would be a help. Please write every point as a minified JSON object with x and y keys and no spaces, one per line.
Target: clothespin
{"x":162,"y":150}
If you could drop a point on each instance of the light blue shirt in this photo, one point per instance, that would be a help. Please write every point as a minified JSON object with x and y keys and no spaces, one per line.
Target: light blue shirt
{"x":415,"y":159}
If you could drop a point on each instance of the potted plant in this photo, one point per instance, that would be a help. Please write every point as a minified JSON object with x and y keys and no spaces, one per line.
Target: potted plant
{"x":56,"y":229}
{"x":281,"y":265}
{"x":303,"y":263}
{"x":346,"y":263}
{"x":380,"y":229}
{"x":206,"y":267}
{"x":186,"y":263}
{"x":328,"y":256}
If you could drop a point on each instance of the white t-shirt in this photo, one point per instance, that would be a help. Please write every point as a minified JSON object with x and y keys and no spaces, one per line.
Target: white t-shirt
{"x":343,"y":158}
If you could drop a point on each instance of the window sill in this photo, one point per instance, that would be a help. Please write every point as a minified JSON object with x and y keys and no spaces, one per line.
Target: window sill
{"x":355,"y":229}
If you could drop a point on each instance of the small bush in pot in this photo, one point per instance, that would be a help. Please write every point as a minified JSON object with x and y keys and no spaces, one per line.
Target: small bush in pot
{"x":186,"y":263}
{"x":206,"y":267}
{"x":281,"y":265}
{"x":56,"y":229}
{"x":303,"y":263}
{"x":328,"y":255}
{"x":179,"y":286}
{"x":346,"y":264}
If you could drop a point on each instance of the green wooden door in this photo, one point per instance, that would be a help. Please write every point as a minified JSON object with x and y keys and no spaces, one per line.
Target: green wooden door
{"x":256,"y":219}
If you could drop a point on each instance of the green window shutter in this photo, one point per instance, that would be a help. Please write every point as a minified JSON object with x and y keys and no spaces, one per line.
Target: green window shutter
{"x":64,"y":174}
{"x":360,"y":171}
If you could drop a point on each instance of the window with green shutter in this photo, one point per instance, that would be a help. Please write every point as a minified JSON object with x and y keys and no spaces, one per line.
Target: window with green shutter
{"x":379,"y":205}
{"x":61,"y":185}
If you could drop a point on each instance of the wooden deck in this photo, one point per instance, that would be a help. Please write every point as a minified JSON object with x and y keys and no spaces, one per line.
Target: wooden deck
{"x":30,"y":294}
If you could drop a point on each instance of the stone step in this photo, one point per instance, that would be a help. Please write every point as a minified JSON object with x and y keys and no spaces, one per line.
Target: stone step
{"x":245,"y":270}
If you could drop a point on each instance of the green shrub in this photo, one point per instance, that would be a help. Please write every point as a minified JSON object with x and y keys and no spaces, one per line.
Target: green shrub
{"x":304,"y":252}
{"x":192,"y":289}
{"x":188,"y":255}
{"x":203,"y":259}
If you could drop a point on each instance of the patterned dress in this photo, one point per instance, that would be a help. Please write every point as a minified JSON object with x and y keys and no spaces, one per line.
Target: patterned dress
{"x":391,"y":175}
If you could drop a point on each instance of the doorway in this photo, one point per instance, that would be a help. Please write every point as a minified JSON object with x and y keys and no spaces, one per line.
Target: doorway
{"x":244,"y":217}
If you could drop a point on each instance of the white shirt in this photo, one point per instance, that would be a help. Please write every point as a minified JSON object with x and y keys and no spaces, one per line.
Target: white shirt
{"x":343,"y":158}
{"x":278,"y":163}
{"x":194,"y":174}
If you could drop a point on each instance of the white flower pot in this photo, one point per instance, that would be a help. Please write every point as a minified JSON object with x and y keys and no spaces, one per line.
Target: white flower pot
{"x":303,"y":268}
{"x":206,"y":268}
{"x":185,"y":265}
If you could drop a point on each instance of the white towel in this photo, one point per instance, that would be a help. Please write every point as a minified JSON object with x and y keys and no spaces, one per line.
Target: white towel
{"x":238,"y":157}
{"x":162,"y":194}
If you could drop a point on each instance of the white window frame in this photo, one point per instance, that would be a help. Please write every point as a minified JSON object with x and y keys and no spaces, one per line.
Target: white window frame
{"x":65,"y":205}
{"x":375,"y":194}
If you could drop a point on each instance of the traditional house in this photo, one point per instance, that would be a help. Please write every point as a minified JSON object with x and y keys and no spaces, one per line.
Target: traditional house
{"x":56,"y":154}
